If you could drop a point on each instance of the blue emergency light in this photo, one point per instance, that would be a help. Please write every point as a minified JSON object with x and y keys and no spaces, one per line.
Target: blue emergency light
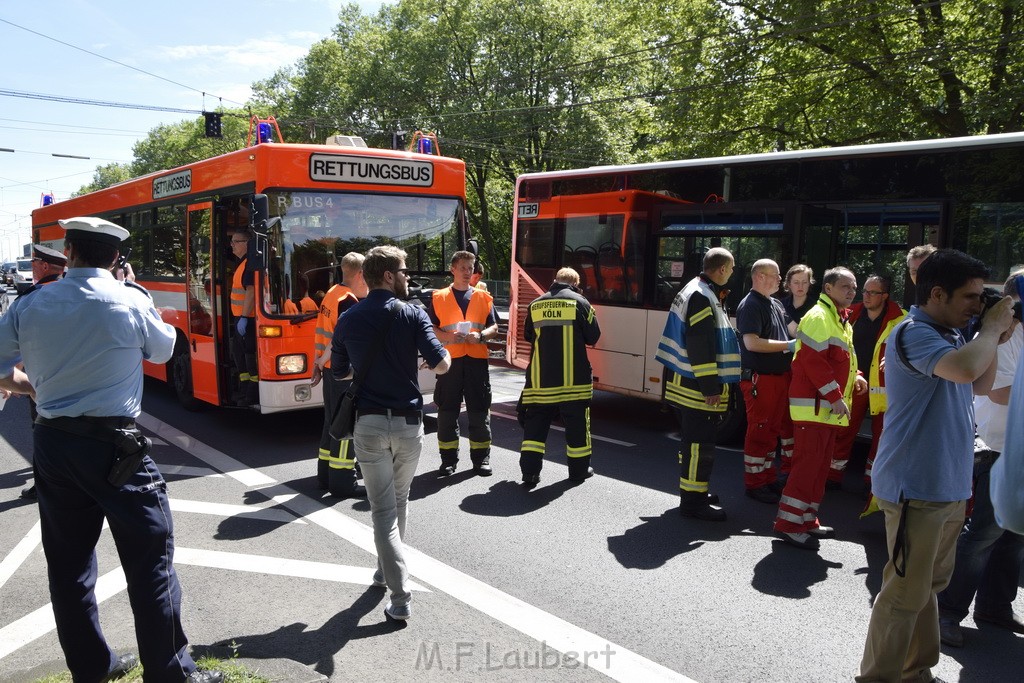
{"x":46,"y":199}
{"x":265,"y":132}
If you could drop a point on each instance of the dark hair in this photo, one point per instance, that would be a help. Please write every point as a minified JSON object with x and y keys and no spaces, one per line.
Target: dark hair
{"x":949,"y":269}
{"x":380,"y":260}
{"x":796,"y":269}
{"x":884,"y":279}
{"x":462,"y":256}
{"x":92,"y":253}
{"x":832,"y":275}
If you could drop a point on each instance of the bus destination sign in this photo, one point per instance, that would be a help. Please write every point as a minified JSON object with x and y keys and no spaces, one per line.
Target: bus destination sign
{"x":172,"y":185}
{"x":335,"y":168}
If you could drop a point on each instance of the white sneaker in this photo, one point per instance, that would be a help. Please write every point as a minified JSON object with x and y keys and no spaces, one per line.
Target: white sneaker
{"x":378,"y":580}
{"x":399,"y":612}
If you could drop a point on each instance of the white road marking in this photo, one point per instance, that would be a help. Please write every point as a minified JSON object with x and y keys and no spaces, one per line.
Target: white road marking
{"x":26,"y":546}
{"x":279,"y":566}
{"x":40,"y":622}
{"x":211,"y":456}
{"x":534,"y":622}
{"x":594,"y":437}
{"x":228,"y":510}
{"x":186,"y":471}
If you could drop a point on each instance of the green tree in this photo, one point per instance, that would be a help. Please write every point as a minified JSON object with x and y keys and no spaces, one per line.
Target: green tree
{"x":105,"y":176}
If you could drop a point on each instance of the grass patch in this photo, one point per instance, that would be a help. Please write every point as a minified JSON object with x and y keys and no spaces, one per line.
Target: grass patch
{"x":233,"y":673}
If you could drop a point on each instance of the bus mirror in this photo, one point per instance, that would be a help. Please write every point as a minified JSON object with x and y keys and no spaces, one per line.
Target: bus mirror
{"x":473,"y":246}
{"x":260,"y":210}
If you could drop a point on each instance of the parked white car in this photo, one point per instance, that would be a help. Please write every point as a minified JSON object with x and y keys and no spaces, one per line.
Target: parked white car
{"x":23,"y":275}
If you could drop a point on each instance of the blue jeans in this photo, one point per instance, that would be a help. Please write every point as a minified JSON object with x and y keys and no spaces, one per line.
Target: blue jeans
{"x":74,"y":497}
{"x":388,"y":450}
{"x":988,"y":562}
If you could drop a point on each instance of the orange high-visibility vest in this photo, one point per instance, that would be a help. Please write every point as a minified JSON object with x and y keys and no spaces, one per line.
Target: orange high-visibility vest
{"x":238,"y":290}
{"x":447,"y":310}
{"x":328,"y":319}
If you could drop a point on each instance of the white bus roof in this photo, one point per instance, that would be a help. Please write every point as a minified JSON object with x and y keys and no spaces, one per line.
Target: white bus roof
{"x":937,"y":145}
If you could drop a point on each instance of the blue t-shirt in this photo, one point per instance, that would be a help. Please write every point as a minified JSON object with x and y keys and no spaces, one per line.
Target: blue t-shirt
{"x":926,"y":451}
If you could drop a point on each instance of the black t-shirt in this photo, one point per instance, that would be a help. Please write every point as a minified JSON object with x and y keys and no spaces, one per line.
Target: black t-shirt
{"x":865,"y":334}
{"x":765,"y":317}
{"x":794,"y":313}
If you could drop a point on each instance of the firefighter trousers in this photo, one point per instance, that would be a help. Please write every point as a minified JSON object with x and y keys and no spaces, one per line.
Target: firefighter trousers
{"x":846,"y":438}
{"x":812,"y":449}
{"x":575,"y":417}
{"x":336,"y":461}
{"x":766,"y":398}
{"x":698,"y":431}
{"x":467,"y":380}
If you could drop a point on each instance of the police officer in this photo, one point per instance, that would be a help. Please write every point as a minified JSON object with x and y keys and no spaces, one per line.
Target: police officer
{"x":700,"y":350}
{"x":559,"y":325}
{"x":47,"y":267}
{"x":243,"y":329}
{"x":89,"y":394}
{"x":464,"y":319}
{"x":336,"y":463}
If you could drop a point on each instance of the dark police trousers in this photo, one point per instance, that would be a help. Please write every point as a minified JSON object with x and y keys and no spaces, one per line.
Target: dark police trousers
{"x":74,"y":497}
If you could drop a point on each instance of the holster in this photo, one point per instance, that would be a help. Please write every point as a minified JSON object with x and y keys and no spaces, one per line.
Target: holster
{"x":131,"y":446}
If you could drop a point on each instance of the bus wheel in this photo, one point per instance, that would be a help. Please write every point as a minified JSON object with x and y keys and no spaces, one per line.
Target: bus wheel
{"x":181,"y":376}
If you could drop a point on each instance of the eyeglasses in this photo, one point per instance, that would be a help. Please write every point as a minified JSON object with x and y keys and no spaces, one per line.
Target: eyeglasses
{"x":36,"y":258}
{"x":873,"y":292}
{"x":401,"y":271}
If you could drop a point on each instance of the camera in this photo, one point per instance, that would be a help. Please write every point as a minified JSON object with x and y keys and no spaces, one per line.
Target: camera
{"x":990,"y":296}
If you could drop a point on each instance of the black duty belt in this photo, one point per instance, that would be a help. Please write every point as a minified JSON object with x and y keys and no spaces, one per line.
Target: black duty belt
{"x":86,"y":421}
{"x":388,"y":411}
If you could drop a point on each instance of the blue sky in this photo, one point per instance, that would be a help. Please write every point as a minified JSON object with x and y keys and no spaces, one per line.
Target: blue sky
{"x":219,"y":47}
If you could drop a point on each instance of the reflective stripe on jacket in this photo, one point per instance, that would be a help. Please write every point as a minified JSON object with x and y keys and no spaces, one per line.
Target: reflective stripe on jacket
{"x":700,"y":348}
{"x":327,"y":319}
{"x":824,"y":366}
{"x":448,"y":313}
{"x":238,"y":290}
{"x":559,"y":325}
{"x":877,"y":400}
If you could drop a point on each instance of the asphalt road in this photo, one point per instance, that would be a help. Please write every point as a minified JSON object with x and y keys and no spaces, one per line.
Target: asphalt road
{"x":567,"y":582}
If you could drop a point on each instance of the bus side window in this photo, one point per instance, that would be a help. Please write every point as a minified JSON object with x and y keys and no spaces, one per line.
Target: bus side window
{"x":585,"y":263}
{"x":612,"y":272}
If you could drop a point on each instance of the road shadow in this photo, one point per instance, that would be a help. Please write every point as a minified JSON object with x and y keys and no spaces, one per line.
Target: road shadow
{"x":987,"y":654}
{"x":656,"y":540}
{"x":789,"y":572}
{"x":312,"y":647}
{"x":509,"y":498}
{"x":429,"y":483}
{"x":246,"y":525}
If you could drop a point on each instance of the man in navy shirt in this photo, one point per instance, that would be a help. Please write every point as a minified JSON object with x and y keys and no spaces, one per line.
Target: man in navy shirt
{"x":388,"y":432}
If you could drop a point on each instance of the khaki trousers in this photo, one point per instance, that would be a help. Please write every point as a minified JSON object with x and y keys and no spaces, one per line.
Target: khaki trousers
{"x":903,"y":634}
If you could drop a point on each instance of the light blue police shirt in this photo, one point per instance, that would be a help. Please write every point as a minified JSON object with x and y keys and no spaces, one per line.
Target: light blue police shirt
{"x":82,"y":341}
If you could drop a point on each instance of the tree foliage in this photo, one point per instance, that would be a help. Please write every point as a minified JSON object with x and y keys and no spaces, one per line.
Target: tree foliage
{"x":546,"y":84}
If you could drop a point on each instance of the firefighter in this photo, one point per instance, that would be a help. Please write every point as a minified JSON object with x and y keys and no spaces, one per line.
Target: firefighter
{"x":243,"y":329}
{"x":464,"y":319}
{"x":872,"y":321}
{"x":766,"y":351}
{"x":336,"y":462}
{"x":700,"y":349}
{"x":559,"y":325}
{"x":820,"y":393}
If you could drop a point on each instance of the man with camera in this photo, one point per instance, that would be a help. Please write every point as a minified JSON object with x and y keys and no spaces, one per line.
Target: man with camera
{"x":922,"y":473}
{"x":988,"y":558}
{"x":89,"y":458}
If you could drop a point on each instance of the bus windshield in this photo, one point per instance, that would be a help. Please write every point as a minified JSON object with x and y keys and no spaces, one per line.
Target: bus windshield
{"x":317,"y":229}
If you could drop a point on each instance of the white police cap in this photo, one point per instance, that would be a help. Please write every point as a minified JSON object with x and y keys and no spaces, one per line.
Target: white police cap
{"x":92,"y":228}
{"x":49,"y":255}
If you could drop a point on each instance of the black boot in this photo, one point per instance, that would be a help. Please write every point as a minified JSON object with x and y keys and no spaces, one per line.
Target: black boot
{"x":342,"y":484}
{"x":696,"y":505}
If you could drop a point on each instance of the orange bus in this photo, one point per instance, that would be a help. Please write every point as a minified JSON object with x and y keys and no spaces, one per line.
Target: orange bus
{"x":306,"y":207}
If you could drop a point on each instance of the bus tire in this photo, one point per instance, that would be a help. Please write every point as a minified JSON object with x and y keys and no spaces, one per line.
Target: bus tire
{"x":180,"y":371}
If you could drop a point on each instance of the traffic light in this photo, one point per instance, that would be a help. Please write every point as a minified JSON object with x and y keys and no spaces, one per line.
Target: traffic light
{"x":213,"y":128}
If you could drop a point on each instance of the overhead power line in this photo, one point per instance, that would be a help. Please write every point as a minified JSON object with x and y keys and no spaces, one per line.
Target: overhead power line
{"x":127,"y":66}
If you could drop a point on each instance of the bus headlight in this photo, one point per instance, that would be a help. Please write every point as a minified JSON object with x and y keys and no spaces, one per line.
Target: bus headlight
{"x":303,"y":393}
{"x":293,"y":364}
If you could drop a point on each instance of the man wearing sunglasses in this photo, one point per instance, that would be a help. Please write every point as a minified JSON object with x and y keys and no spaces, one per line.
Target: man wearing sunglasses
{"x":872,"y":319}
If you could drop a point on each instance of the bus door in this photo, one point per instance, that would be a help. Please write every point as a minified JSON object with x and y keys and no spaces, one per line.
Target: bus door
{"x":199,"y":291}
{"x":818,"y":238}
